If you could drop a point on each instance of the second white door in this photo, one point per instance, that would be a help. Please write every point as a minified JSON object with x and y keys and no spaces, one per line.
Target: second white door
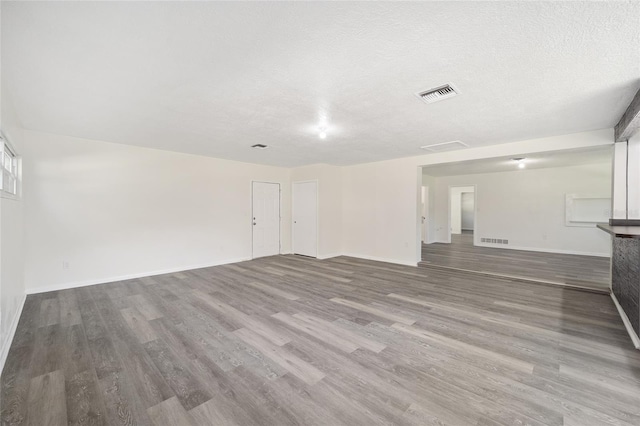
{"x":266,"y":219}
{"x":305,"y":218}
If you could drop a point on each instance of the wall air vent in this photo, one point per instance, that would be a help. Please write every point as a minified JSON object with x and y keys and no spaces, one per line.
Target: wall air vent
{"x":445,"y":146}
{"x":259,"y":146}
{"x":438,"y":93}
{"x":494,"y":241}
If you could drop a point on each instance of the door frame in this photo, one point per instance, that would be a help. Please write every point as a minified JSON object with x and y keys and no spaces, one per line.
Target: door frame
{"x":293,"y":203}
{"x":475,"y":212}
{"x":279,"y":213}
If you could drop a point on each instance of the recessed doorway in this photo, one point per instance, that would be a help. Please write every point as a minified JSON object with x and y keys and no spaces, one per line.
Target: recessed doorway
{"x":461,"y":210}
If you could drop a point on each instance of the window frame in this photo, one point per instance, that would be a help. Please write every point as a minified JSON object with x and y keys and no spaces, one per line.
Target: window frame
{"x":6,"y":147}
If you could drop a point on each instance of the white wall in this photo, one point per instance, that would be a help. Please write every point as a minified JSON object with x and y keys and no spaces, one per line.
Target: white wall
{"x":329,"y":205}
{"x":527,"y":207}
{"x":11,"y":233}
{"x":381,"y":203}
{"x":429,"y":182}
{"x":455,"y":207}
{"x":381,"y":200}
{"x":114,"y":211}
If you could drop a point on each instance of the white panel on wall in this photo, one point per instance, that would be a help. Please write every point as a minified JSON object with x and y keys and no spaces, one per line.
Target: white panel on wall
{"x":583,"y":210}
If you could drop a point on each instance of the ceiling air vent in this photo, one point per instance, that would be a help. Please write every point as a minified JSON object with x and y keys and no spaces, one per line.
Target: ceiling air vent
{"x":438,"y":93}
{"x":259,"y":146}
{"x":445,"y":146}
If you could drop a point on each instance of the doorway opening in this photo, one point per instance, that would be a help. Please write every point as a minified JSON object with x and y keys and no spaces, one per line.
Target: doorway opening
{"x":462,"y":213}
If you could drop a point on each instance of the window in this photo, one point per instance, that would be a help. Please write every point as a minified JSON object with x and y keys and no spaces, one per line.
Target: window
{"x":9,"y":167}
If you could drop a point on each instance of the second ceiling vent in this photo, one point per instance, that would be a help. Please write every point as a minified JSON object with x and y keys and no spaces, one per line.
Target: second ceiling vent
{"x":438,"y":93}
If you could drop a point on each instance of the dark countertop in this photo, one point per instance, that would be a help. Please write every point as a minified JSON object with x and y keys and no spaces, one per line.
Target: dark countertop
{"x":621,"y":231}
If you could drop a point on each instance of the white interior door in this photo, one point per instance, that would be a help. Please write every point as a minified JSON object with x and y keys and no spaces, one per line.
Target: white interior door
{"x":266,"y":219}
{"x":305,"y":218}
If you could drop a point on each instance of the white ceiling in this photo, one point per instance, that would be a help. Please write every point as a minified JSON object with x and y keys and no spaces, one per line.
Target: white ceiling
{"x":214,"y":78}
{"x":539,"y":160}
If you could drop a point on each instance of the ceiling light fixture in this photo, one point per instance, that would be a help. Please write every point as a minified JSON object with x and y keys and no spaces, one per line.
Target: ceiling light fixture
{"x":323,"y":133}
{"x":520,"y":162}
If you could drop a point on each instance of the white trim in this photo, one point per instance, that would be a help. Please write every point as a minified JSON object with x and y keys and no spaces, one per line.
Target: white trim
{"x":108,"y":280}
{"x":627,"y":324}
{"x":6,"y":345}
{"x":329,"y":256}
{"x":543,"y":250}
{"x":381,"y":259}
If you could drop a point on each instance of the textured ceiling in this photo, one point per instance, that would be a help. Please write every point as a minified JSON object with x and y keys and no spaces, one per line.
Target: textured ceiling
{"x":214,"y":78}
{"x":539,"y":160}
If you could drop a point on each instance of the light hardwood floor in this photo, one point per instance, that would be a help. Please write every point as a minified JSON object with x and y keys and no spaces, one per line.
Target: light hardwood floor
{"x":590,"y":272}
{"x":288,"y":340}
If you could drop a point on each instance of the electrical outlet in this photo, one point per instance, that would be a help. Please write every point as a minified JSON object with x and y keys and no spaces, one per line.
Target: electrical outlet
{"x":65,"y":265}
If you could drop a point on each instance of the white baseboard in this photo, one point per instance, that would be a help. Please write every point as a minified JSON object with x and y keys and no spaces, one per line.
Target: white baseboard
{"x":543,"y":250}
{"x":106,"y":280}
{"x":329,"y":256}
{"x":381,"y":259}
{"x":6,"y":345}
{"x":627,"y":324}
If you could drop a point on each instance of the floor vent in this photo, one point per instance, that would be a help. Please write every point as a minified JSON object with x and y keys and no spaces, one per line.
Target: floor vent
{"x":494,"y":241}
{"x":439,"y":93}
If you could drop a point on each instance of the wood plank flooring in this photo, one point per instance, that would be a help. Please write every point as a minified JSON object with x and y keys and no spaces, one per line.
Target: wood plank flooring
{"x":591,"y":272}
{"x":289,"y":340}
